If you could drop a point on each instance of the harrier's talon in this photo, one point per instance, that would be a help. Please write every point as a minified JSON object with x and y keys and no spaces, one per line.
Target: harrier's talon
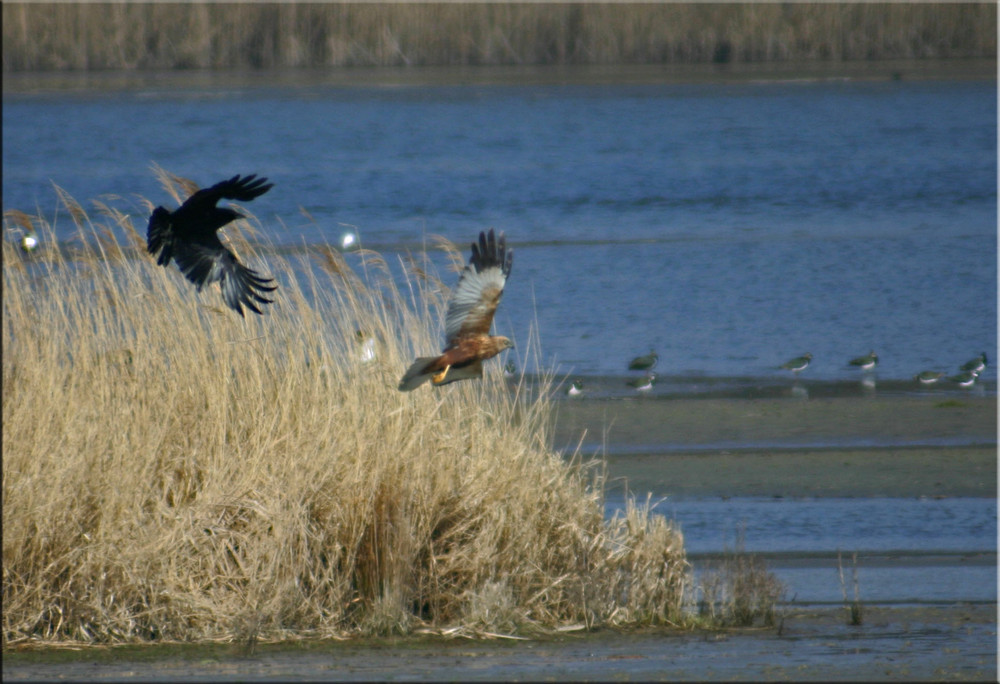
{"x":439,"y":378}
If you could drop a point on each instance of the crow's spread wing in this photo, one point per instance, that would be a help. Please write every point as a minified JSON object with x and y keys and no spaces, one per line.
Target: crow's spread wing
{"x":238,"y":188}
{"x":241,"y":286}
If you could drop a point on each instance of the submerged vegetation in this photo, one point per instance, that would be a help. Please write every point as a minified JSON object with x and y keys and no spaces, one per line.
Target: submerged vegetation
{"x":97,"y":36}
{"x":174,"y":472}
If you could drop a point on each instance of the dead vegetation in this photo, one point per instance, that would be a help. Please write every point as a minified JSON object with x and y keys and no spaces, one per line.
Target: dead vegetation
{"x":127,"y":36}
{"x":174,"y":472}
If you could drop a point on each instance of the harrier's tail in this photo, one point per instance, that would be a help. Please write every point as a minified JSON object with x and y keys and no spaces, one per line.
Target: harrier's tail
{"x":422,"y":370}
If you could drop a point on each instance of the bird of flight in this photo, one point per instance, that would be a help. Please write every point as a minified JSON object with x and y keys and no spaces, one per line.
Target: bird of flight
{"x":470,"y":315}
{"x":188,"y":236}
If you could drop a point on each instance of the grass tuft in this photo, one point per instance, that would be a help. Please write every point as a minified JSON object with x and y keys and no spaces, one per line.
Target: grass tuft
{"x":173,"y":472}
{"x":740,"y":591}
{"x":855,"y":609}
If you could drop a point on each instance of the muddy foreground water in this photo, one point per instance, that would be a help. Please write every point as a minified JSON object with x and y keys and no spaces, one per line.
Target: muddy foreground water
{"x":903,"y":643}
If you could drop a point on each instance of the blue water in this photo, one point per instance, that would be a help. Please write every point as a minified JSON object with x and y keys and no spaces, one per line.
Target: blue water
{"x":927,"y":550}
{"x":728,"y":226}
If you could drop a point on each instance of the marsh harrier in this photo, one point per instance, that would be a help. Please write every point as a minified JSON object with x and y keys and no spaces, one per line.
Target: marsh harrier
{"x":188,"y":236}
{"x":470,"y":315}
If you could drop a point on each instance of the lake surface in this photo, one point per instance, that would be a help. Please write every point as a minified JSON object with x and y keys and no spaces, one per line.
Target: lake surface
{"x":730,"y":226}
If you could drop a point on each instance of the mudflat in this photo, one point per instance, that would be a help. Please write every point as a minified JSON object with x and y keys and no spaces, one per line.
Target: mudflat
{"x":901,"y":446}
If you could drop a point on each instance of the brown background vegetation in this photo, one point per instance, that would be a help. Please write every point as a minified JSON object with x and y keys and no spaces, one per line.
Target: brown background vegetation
{"x":95,"y":36}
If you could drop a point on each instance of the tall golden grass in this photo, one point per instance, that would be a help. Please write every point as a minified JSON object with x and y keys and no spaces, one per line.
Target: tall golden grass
{"x":174,"y":472}
{"x":95,"y":36}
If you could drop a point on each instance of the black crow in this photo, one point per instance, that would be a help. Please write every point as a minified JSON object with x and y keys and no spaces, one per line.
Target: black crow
{"x":188,"y":236}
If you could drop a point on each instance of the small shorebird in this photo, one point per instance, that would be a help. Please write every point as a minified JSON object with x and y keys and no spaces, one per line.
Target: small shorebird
{"x":643,"y":384}
{"x":798,"y":364}
{"x":367,"y":343}
{"x":965,"y":379}
{"x":975,"y":365}
{"x":646,"y":362}
{"x":865,"y":362}
{"x":576,"y":389}
{"x":928,"y":377}
{"x":29,"y":242}
{"x":509,"y":369}
{"x":349,"y":241}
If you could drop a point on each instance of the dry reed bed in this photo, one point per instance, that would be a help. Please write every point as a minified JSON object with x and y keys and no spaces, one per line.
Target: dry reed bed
{"x":174,"y":472}
{"x":261,"y":35}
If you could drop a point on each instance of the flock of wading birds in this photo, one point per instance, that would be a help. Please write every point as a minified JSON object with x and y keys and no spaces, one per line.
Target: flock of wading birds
{"x":189,"y":236}
{"x":967,"y":374}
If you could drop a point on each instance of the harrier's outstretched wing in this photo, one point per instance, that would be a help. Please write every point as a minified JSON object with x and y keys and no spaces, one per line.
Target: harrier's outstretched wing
{"x":475,"y":299}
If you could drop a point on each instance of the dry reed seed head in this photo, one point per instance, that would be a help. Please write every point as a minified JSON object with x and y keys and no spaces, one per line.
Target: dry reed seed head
{"x":20,"y":219}
{"x":72,"y":206}
{"x":455,"y":255}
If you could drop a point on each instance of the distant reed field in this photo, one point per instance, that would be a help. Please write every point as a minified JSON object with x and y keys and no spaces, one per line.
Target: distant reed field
{"x":174,"y":472}
{"x":93,"y":36}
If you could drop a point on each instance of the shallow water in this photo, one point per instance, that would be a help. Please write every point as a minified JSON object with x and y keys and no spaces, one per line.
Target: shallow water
{"x":909,"y":550}
{"x":730,"y":226}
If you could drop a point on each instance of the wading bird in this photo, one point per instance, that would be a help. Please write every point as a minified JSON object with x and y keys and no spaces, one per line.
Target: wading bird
{"x":646,"y":362}
{"x":470,"y":315}
{"x":798,"y":364}
{"x":865,"y":362}
{"x":643,"y":384}
{"x":965,"y":378}
{"x":188,"y":236}
{"x":975,"y":365}
{"x":928,"y":377}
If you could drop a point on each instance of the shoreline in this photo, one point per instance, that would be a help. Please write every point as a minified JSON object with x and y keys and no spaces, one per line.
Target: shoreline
{"x":37,"y":82}
{"x":905,"y":642}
